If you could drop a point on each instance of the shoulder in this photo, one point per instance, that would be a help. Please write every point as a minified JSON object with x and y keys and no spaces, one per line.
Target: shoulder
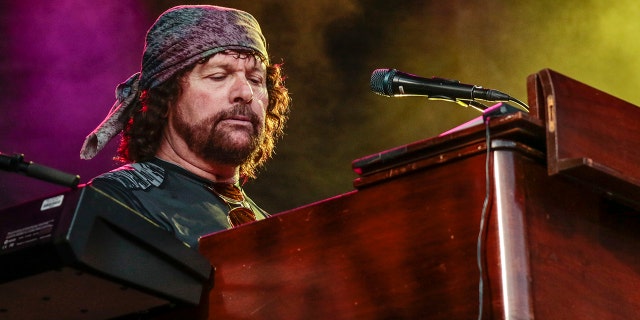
{"x":140,"y":176}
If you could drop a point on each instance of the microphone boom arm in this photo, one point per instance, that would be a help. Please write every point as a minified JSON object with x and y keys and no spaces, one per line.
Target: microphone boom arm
{"x":16,"y":163}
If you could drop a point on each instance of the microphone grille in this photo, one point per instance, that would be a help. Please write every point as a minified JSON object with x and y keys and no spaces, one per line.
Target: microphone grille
{"x":381,"y":81}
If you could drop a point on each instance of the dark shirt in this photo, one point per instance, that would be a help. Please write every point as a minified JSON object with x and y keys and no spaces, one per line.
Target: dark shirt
{"x":171,"y":197}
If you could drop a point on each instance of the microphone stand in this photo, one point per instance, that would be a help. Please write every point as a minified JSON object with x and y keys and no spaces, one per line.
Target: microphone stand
{"x":16,"y":163}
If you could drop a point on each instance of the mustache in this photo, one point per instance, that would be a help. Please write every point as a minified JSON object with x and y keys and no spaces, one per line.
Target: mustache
{"x":238,"y":110}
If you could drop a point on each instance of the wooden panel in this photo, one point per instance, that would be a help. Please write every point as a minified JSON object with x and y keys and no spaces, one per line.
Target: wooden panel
{"x":583,"y":250}
{"x":535,"y":97}
{"x":592,"y":136}
{"x":405,"y":249}
{"x":375,"y":168}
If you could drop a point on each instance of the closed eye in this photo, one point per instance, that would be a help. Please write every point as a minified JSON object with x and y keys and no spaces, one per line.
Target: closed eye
{"x":256,"y":80}
{"x":217,"y":76}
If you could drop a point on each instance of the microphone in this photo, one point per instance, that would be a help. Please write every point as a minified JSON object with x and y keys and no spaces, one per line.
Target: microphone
{"x":394,"y":83}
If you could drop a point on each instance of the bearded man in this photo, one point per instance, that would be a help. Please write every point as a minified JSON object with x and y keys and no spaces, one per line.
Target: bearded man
{"x":201,"y":116}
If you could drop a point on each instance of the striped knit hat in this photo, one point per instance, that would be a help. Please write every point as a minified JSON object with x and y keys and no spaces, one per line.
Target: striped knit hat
{"x":179,"y":38}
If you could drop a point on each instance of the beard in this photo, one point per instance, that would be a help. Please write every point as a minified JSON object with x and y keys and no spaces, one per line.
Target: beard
{"x":217,"y":143}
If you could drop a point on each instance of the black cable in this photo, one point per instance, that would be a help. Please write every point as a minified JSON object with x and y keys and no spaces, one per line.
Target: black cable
{"x":483,"y":217}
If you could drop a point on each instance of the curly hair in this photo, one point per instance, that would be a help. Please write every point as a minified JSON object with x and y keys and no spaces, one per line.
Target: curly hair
{"x":143,"y":132}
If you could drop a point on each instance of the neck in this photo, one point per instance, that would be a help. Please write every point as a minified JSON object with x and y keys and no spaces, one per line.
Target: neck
{"x":211,"y":171}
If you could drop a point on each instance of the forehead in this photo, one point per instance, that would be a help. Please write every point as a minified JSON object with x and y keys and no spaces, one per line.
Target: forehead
{"x":234,"y":59}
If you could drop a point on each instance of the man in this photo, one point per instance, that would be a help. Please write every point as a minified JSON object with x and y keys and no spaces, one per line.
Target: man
{"x":201,"y":116}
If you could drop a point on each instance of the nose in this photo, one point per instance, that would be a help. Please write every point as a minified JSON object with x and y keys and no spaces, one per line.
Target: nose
{"x":242,"y":91}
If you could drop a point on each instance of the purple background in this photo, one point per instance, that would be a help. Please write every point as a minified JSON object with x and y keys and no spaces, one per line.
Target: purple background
{"x":61,"y":60}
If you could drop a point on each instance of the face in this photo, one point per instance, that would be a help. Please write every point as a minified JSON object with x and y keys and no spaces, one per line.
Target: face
{"x":220,"y":114}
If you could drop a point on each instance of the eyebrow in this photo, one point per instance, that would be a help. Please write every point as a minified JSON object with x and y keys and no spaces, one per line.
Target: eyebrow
{"x":258,"y":65}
